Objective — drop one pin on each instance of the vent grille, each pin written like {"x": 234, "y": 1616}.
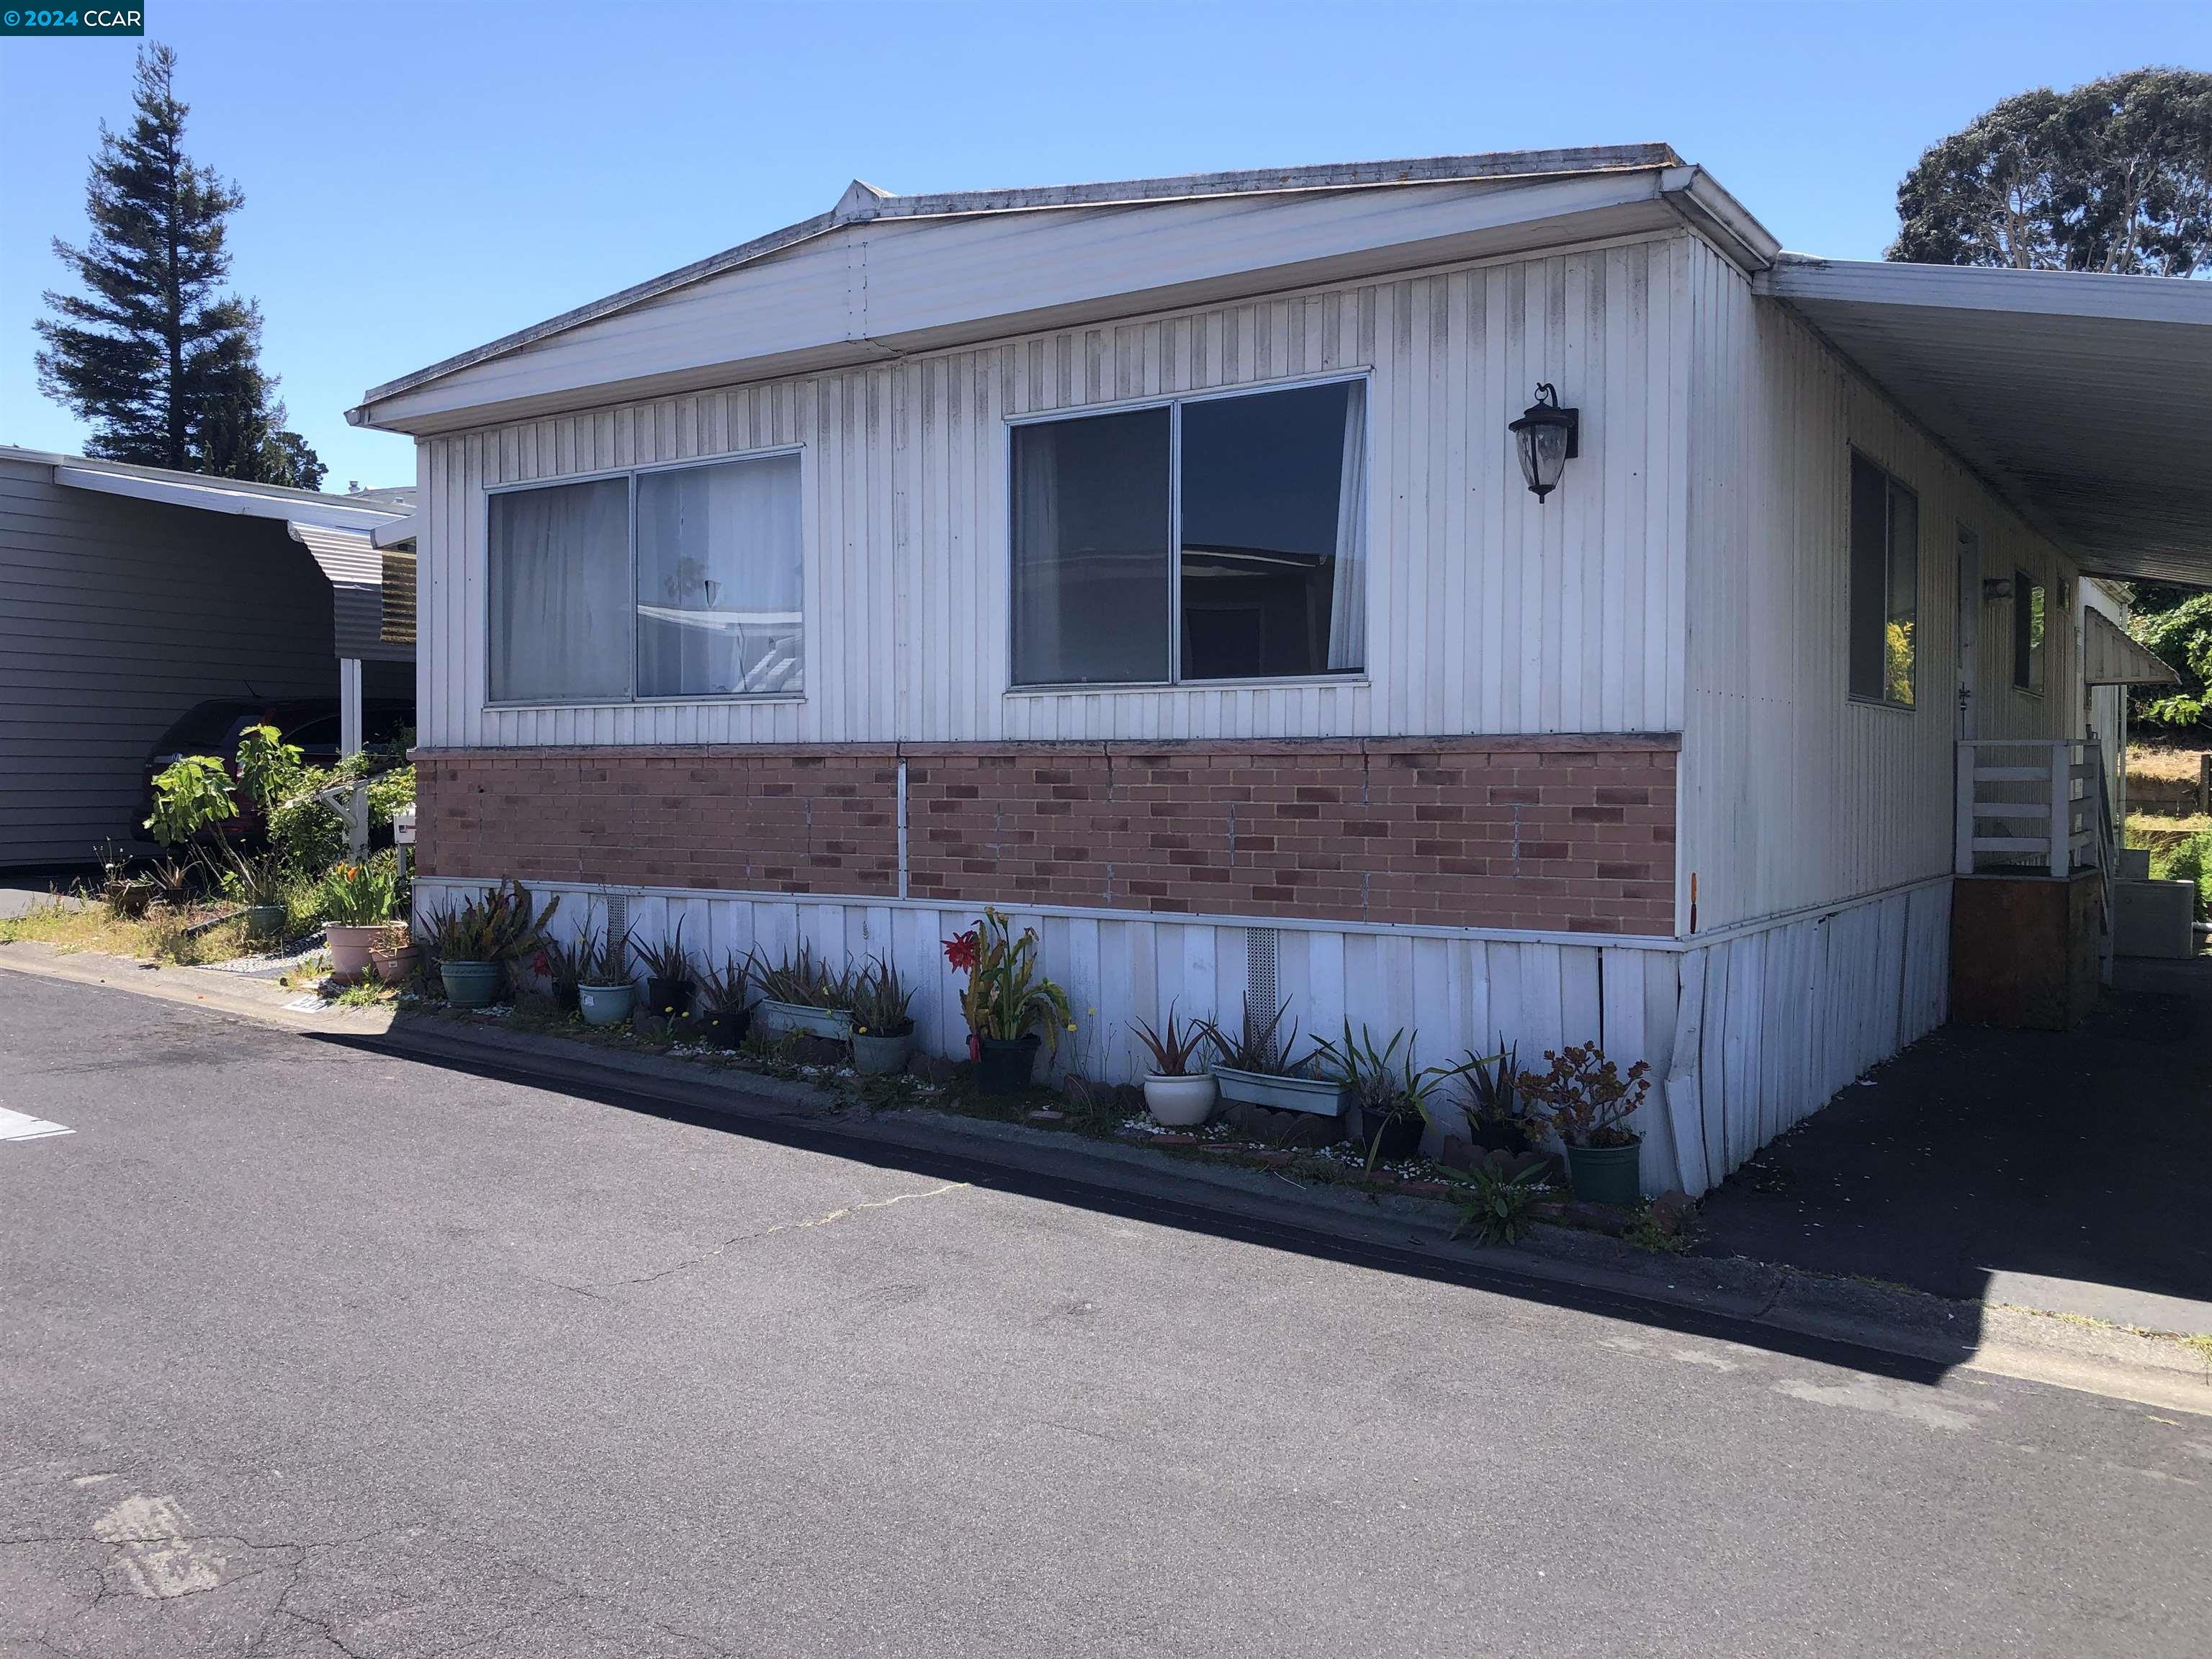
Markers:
{"x": 617, "y": 916}
{"x": 1261, "y": 996}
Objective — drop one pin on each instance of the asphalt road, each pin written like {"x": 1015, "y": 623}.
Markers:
{"x": 306, "y": 1350}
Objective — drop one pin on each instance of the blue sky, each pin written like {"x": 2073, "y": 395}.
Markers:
{"x": 423, "y": 177}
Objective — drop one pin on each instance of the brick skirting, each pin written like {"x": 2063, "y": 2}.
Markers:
{"x": 1567, "y": 833}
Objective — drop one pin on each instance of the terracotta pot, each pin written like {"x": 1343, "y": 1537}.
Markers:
{"x": 351, "y": 947}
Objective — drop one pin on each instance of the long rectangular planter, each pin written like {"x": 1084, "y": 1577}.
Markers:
{"x": 1282, "y": 1094}
{"x": 778, "y": 1017}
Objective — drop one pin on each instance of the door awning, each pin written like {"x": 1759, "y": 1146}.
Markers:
{"x": 2085, "y": 400}
{"x": 2109, "y": 657}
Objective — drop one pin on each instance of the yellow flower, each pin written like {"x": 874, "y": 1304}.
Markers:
{"x": 1071, "y": 1026}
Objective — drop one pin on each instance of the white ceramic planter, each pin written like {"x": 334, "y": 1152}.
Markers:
{"x": 1180, "y": 1103}
{"x": 1281, "y": 1094}
{"x": 776, "y": 1019}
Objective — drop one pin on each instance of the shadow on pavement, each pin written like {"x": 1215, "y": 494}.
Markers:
{"x": 2067, "y": 1171}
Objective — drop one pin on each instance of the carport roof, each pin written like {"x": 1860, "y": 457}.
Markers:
{"x": 2085, "y": 399}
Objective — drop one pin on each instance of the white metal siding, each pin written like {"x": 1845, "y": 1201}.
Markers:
{"x": 1791, "y": 793}
{"x": 1488, "y": 613}
{"x": 116, "y": 617}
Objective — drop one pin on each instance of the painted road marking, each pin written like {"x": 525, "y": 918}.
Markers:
{"x": 19, "y": 1126}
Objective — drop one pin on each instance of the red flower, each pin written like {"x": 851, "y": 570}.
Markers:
{"x": 962, "y": 952}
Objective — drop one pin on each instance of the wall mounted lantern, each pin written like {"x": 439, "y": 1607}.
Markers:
{"x": 1548, "y": 437}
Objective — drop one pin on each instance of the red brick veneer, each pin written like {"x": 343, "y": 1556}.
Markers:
{"x": 1572, "y": 833}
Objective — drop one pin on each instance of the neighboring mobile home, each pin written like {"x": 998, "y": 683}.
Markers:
{"x": 1152, "y": 560}
{"x": 132, "y": 595}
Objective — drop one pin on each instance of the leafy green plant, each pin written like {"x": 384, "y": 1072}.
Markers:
{"x": 1585, "y": 1098}
{"x": 1006, "y": 996}
{"x": 192, "y": 794}
{"x": 2185, "y": 860}
{"x": 1493, "y": 1098}
{"x": 500, "y": 925}
{"x": 725, "y": 995}
{"x": 796, "y": 977}
{"x": 1500, "y": 1208}
{"x": 1175, "y": 1051}
{"x": 603, "y": 959}
{"x": 176, "y": 880}
{"x": 1262, "y": 1046}
{"x": 269, "y": 767}
{"x": 358, "y": 895}
{"x": 881, "y": 1001}
{"x": 1386, "y": 1083}
{"x": 1649, "y": 1234}
{"x": 252, "y": 879}
{"x": 668, "y": 959}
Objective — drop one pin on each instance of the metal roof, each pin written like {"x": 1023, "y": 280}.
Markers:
{"x": 2084, "y": 400}
{"x": 863, "y": 203}
{"x": 363, "y": 510}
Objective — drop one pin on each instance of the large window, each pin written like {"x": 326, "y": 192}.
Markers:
{"x": 1209, "y": 538}
{"x": 677, "y": 582}
{"x": 2029, "y": 605}
{"x": 1885, "y": 590}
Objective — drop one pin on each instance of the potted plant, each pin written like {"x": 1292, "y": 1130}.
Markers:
{"x": 125, "y": 895}
{"x": 1179, "y": 1092}
{"x": 724, "y": 1016}
{"x": 256, "y": 881}
{"x": 1588, "y": 1103}
{"x": 394, "y": 958}
{"x": 670, "y": 979}
{"x": 798, "y": 994}
{"x": 560, "y": 965}
{"x": 1007, "y": 1002}
{"x": 604, "y": 993}
{"x": 883, "y": 1026}
{"x": 1391, "y": 1094}
{"x": 1493, "y": 1102}
{"x": 357, "y": 901}
{"x": 1256, "y": 1068}
{"x": 475, "y": 944}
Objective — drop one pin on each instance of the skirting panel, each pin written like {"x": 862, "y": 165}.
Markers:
{"x": 1771, "y": 1023}
{"x": 1744, "y": 1038}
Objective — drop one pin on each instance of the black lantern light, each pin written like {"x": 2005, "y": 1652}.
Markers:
{"x": 1547, "y": 437}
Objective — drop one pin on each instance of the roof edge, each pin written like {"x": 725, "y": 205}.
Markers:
{"x": 863, "y": 203}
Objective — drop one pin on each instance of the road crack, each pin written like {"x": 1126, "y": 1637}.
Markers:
{"x": 754, "y": 1238}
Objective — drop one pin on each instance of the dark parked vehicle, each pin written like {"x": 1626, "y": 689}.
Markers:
{"x": 213, "y": 728}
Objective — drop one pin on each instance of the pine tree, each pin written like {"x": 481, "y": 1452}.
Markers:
{"x": 156, "y": 355}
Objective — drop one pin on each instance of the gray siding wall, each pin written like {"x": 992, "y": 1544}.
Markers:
{"x": 116, "y": 617}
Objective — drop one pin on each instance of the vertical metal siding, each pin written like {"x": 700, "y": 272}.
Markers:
{"x": 1487, "y": 611}
{"x": 1792, "y": 795}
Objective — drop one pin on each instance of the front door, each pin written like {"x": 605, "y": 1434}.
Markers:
{"x": 1970, "y": 626}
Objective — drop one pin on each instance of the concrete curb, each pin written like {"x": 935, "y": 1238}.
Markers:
{"x": 1390, "y": 1231}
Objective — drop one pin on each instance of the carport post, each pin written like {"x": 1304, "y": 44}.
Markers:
{"x": 350, "y": 743}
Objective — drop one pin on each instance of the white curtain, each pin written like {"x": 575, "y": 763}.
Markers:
{"x": 559, "y": 567}
{"x": 719, "y": 583}
{"x": 1348, "y": 606}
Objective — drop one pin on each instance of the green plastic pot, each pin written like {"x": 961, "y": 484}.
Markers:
{"x": 265, "y": 922}
{"x": 1606, "y": 1175}
{"x": 470, "y": 984}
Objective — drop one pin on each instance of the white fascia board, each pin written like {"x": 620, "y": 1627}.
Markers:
{"x": 2082, "y": 294}
{"x": 211, "y": 498}
{"x": 400, "y": 533}
{"x": 1720, "y": 218}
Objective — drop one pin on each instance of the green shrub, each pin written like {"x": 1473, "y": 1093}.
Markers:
{"x": 191, "y": 794}
{"x": 2185, "y": 860}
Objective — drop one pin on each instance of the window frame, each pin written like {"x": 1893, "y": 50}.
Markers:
{"x": 1173, "y": 403}
{"x": 2025, "y": 664}
{"x": 1888, "y": 550}
{"x": 629, "y": 476}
